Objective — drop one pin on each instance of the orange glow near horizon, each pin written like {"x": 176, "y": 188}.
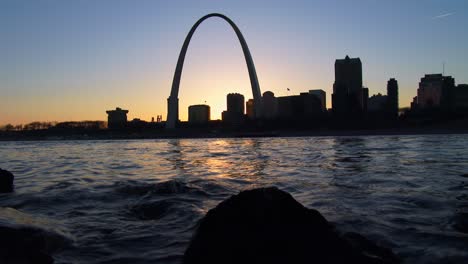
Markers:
{"x": 73, "y": 61}
{"x": 196, "y": 88}
{"x": 214, "y": 66}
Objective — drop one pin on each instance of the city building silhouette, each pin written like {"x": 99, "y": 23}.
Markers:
{"x": 414, "y": 103}
{"x": 235, "y": 112}
{"x": 385, "y": 106}
{"x": 235, "y": 103}
{"x": 199, "y": 114}
{"x": 377, "y": 103}
{"x": 270, "y": 105}
{"x": 137, "y": 123}
{"x": 249, "y": 108}
{"x": 461, "y": 97}
{"x": 116, "y": 118}
{"x": 439, "y": 100}
{"x": 322, "y": 96}
{"x": 305, "y": 106}
{"x": 365, "y": 99}
{"x": 302, "y": 106}
{"x": 348, "y": 95}
{"x": 435, "y": 91}
{"x": 392, "y": 97}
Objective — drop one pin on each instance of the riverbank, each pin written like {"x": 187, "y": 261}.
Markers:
{"x": 193, "y": 133}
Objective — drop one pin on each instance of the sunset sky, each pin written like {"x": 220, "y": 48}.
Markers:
{"x": 73, "y": 60}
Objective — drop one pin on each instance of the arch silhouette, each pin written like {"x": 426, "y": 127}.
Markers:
{"x": 173, "y": 100}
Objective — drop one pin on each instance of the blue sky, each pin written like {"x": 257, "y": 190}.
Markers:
{"x": 72, "y": 60}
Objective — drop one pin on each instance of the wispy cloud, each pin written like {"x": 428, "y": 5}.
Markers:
{"x": 442, "y": 16}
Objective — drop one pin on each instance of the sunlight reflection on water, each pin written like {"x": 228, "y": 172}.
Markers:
{"x": 140, "y": 199}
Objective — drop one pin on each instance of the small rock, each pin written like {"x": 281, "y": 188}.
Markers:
{"x": 29, "y": 240}
{"x": 6, "y": 181}
{"x": 368, "y": 247}
{"x": 151, "y": 210}
{"x": 461, "y": 222}
{"x": 268, "y": 226}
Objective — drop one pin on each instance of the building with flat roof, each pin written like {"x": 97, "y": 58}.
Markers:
{"x": 302, "y": 106}
{"x": 461, "y": 96}
{"x": 235, "y": 113}
{"x": 321, "y": 95}
{"x": 270, "y": 105}
{"x": 116, "y": 118}
{"x": 348, "y": 95}
{"x": 235, "y": 103}
{"x": 198, "y": 114}
{"x": 392, "y": 97}
{"x": 435, "y": 90}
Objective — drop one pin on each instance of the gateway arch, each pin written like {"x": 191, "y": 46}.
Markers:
{"x": 173, "y": 100}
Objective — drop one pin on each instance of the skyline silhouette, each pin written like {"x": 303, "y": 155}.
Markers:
{"x": 300, "y": 108}
{"x": 71, "y": 61}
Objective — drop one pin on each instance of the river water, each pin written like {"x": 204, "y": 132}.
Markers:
{"x": 138, "y": 201}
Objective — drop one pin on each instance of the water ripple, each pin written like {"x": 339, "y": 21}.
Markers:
{"x": 138, "y": 201}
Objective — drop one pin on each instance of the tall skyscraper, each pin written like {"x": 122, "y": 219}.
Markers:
{"x": 392, "y": 97}
{"x": 348, "y": 97}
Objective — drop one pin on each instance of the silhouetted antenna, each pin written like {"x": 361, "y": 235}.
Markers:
{"x": 443, "y": 68}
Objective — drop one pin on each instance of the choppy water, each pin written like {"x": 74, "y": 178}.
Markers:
{"x": 138, "y": 201}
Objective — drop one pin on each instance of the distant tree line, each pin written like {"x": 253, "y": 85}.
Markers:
{"x": 86, "y": 125}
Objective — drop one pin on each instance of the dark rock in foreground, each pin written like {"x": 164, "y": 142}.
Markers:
{"x": 28, "y": 240}
{"x": 268, "y": 226}
{"x": 6, "y": 181}
{"x": 461, "y": 222}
